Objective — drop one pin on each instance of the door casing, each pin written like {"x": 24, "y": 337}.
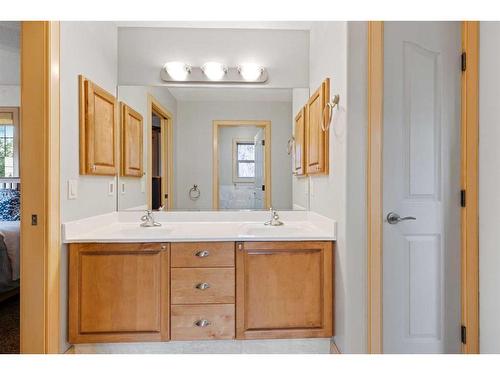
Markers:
{"x": 469, "y": 183}
{"x": 167, "y": 159}
{"x": 40, "y": 188}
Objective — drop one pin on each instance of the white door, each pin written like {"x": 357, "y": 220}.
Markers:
{"x": 259, "y": 170}
{"x": 421, "y": 163}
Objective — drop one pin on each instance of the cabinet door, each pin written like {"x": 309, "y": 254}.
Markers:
{"x": 98, "y": 130}
{"x": 118, "y": 292}
{"x": 299, "y": 144}
{"x": 284, "y": 290}
{"x": 132, "y": 135}
{"x": 317, "y": 139}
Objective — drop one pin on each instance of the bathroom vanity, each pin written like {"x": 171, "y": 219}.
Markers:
{"x": 223, "y": 276}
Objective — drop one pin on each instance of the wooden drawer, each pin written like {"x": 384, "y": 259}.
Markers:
{"x": 220, "y": 319}
{"x": 202, "y": 254}
{"x": 202, "y": 285}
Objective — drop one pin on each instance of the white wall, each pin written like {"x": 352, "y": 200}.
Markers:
{"x": 10, "y": 64}
{"x": 300, "y": 185}
{"x": 193, "y": 154}
{"x": 337, "y": 51}
{"x": 489, "y": 181}
{"x": 137, "y": 98}
{"x": 144, "y": 51}
{"x": 88, "y": 48}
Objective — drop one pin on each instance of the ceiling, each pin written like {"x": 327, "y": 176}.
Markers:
{"x": 269, "y": 25}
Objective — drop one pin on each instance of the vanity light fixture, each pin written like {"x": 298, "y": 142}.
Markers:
{"x": 215, "y": 71}
{"x": 250, "y": 71}
{"x": 178, "y": 70}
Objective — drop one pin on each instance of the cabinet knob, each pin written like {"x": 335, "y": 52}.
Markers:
{"x": 202, "y": 253}
{"x": 202, "y": 286}
{"x": 202, "y": 323}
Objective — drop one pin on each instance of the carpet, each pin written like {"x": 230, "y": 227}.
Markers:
{"x": 9, "y": 325}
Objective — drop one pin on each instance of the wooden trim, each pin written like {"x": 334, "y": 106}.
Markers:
{"x": 470, "y": 183}
{"x": 374, "y": 183}
{"x": 167, "y": 158}
{"x": 39, "y": 154}
{"x": 215, "y": 156}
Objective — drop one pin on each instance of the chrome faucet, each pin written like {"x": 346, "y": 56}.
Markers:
{"x": 148, "y": 220}
{"x": 275, "y": 218}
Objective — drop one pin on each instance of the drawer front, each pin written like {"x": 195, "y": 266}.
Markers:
{"x": 202, "y": 322}
{"x": 202, "y": 285}
{"x": 202, "y": 254}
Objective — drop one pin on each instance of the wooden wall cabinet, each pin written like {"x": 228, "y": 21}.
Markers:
{"x": 118, "y": 292}
{"x": 317, "y": 135}
{"x": 132, "y": 130}
{"x": 284, "y": 290}
{"x": 299, "y": 143}
{"x": 98, "y": 130}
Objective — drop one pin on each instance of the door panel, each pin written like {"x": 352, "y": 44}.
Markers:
{"x": 284, "y": 289}
{"x": 421, "y": 179}
{"x": 118, "y": 292}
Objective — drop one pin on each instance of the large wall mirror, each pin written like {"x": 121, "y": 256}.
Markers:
{"x": 207, "y": 148}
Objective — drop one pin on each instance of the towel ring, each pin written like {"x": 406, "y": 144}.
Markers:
{"x": 194, "y": 192}
{"x": 327, "y": 112}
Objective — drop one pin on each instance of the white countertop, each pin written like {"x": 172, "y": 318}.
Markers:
{"x": 194, "y": 226}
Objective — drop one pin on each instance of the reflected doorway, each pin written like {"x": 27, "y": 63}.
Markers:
{"x": 241, "y": 153}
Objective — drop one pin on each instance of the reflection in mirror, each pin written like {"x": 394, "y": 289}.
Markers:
{"x": 242, "y": 169}
{"x": 212, "y": 148}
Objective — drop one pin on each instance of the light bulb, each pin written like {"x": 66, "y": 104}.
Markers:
{"x": 177, "y": 70}
{"x": 214, "y": 71}
{"x": 250, "y": 71}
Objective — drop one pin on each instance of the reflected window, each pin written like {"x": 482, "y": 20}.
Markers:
{"x": 244, "y": 160}
{"x": 8, "y": 146}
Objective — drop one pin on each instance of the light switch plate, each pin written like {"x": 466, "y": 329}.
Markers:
{"x": 72, "y": 189}
{"x": 122, "y": 190}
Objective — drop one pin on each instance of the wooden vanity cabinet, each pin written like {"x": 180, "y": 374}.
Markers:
{"x": 98, "y": 130}
{"x": 317, "y": 136}
{"x": 139, "y": 292}
{"x": 284, "y": 290}
{"x": 299, "y": 143}
{"x": 118, "y": 292}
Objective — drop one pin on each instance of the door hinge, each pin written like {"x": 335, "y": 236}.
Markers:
{"x": 464, "y": 61}
{"x": 462, "y": 198}
{"x": 166, "y": 196}
{"x": 263, "y": 142}
{"x": 463, "y": 334}
{"x": 263, "y": 187}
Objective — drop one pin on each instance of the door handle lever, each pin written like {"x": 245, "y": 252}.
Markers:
{"x": 394, "y": 218}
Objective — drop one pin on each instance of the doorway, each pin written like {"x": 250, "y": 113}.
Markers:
{"x": 241, "y": 164}
{"x": 418, "y": 105}
{"x": 160, "y": 156}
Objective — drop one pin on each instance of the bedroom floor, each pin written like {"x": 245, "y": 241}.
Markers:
{"x": 9, "y": 325}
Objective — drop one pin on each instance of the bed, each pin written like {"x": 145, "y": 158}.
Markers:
{"x": 9, "y": 241}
